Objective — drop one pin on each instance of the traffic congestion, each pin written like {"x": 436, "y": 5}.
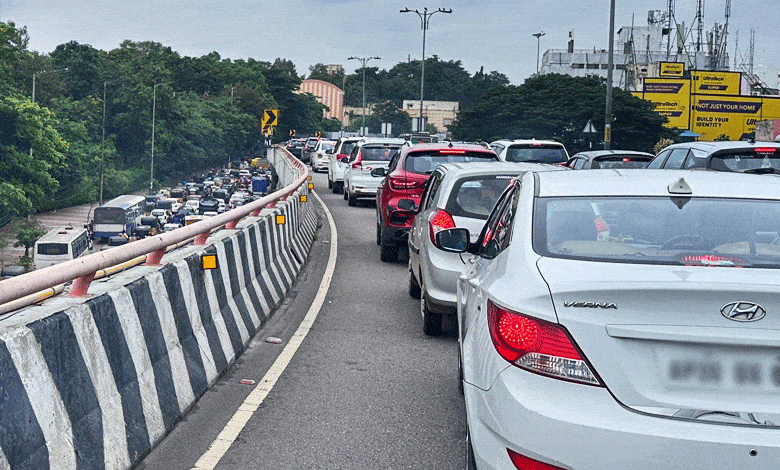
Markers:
{"x": 628, "y": 305}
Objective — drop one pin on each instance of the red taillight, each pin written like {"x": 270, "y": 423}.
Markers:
{"x": 452, "y": 152}
{"x": 341, "y": 155}
{"x": 522, "y": 462}
{"x": 765, "y": 149}
{"x": 626, "y": 159}
{"x": 441, "y": 220}
{"x": 356, "y": 165}
{"x": 712, "y": 260}
{"x": 537, "y": 346}
{"x": 403, "y": 183}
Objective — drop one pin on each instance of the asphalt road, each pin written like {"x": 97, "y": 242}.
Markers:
{"x": 366, "y": 389}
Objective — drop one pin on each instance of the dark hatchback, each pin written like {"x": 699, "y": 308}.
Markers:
{"x": 609, "y": 159}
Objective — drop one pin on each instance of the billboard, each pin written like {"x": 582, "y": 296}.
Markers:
{"x": 671, "y": 98}
{"x": 716, "y": 83}
{"x": 671, "y": 69}
{"x": 734, "y": 116}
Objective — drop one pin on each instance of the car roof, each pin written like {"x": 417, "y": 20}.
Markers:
{"x": 711, "y": 147}
{"x": 381, "y": 140}
{"x": 465, "y": 169}
{"x": 449, "y": 145}
{"x": 603, "y": 153}
{"x": 525, "y": 141}
{"x": 643, "y": 182}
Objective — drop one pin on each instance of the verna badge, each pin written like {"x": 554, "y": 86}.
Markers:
{"x": 577, "y": 304}
{"x": 743, "y": 311}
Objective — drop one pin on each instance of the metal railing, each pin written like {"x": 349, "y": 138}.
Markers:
{"x": 82, "y": 271}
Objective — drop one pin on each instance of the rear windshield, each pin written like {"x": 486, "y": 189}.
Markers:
{"x": 536, "y": 153}
{"x": 475, "y": 197}
{"x": 753, "y": 160}
{"x": 423, "y": 163}
{"x": 346, "y": 149}
{"x": 53, "y": 249}
{"x": 683, "y": 231}
{"x": 621, "y": 161}
{"x": 378, "y": 153}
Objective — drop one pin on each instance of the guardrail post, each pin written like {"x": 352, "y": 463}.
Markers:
{"x": 153, "y": 258}
{"x": 232, "y": 224}
{"x": 201, "y": 239}
{"x": 80, "y": 285}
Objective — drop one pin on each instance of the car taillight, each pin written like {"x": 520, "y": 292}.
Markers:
{"x": 439, "y": 221}
{"x": 403, "y": 183}
{"x": 712, "y": 260}
{"x": 537, "y": 346}
{"x": 765, "y": 149}
{"x": 522, "y": 462}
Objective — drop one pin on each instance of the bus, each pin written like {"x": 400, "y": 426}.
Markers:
{"x": 61, "y": 244}
{"x": 117, "y": 215}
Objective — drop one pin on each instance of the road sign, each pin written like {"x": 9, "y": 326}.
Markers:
{"x": 292, "y": 132}
{"x": 268, "y": 130}
{"x": 589, "y": 128}
{"x": 270, "y": 117}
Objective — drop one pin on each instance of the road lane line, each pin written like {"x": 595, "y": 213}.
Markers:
{"x": 230, "y": 432}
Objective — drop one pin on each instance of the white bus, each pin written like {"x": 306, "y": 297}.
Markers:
{"x": 61, "y": 244}
{"x": 118, "y": 215}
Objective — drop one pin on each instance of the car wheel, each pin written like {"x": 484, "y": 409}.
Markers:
{"x": 330, "y": 184}
{"x": 352, "y": 199}
{"x": 388, "y": 249}
{"x": 471, "y": 462}
{"x": 344, "y": 192}
{"x": 431, "y": 320}
{"x": 460, "y": 372}
{"x": 378, "y": 233}
{"x": 414, "y": 286}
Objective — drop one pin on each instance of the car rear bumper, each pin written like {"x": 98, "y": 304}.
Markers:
{"x": 364, "y": 187}
{"x": 582, "y": 427}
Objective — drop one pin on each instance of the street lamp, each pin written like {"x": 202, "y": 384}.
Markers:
{"x": 364, "y": 61}
{"x": 154, "y": 110}
{"x": 35, "y": 75}
{"x": 538, "y": 36}
{"x": 610, "y": 65}
{"x": 424, "y": 18}
{"x": 103, "y": 138}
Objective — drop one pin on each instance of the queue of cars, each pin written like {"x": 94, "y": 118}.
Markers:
{"x": 599, "y": 311}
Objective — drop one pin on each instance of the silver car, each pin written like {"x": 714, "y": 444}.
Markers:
{"x": 337, "y": 165}
{"x": 616, "y": 319}
{"x": 368, "y": 154}
{"x": 456, "y": 195}
{"x": 321, "y": 154}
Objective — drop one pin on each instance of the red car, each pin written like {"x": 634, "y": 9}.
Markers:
{"x": 405, "y": 178}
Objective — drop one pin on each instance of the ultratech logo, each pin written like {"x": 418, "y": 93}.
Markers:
{"x": 709, "y": 78}
{"x": 577, "y": 304}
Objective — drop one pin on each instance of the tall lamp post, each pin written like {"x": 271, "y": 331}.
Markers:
{"x": 610, "y": 65}
{"x": 424, "y": 19}
{"x": 154, "y": 110}
{"x": 538, "y": 37}
{"x": 363, "y": 61}
{"x": 35, "y": 76}
{"x": 103, "y": 138}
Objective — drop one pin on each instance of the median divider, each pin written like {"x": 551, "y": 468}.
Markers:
{"x": 95, "y": 382}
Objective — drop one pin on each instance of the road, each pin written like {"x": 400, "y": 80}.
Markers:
{"x": 366, "y": 388}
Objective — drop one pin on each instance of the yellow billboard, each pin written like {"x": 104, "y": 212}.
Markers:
{"x": 734, "y": 116}
{"x": 671, "y": 69}
{"x": 671, "y": 98}
{"x": 716, "y": 83}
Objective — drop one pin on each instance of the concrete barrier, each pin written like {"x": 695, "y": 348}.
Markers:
{"x": 94, "y": 383}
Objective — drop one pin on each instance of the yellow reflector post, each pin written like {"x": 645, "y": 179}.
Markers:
{"x": 311, "y": 185}
{"x": 303, "y": 198}
{"x": 208, "y": 261}
{"x": 280, "y": 219}
{"x": 309, "y": 178}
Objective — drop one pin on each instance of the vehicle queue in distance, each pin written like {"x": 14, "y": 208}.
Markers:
{"x": 598, "y": 312}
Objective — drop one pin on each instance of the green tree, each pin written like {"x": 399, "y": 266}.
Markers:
{"x": 27, "y": 234}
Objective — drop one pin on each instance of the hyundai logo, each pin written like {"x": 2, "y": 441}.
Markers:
{"x": 743, "y": 311}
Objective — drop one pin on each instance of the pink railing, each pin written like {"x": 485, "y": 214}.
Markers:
{"x": 82, "y": 270}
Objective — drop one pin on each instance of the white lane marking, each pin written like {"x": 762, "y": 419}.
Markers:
{"x": 224, "y": 440}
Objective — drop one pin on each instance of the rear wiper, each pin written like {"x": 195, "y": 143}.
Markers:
{"x": 761, "y": 171}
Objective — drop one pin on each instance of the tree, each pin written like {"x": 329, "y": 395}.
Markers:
{"x": 27, "y": 234}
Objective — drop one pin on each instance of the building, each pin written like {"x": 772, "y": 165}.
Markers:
{"x": 440, "y": 114}
{"x": 328, "y": 94}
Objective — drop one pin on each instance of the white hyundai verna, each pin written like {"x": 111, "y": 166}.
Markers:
{"x": 623, "y": 319}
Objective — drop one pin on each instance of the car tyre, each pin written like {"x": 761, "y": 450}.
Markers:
{"x": 352, "y": 199}
{"x": 388, "y": 250}
{"x": 378, "y": 233}
{"x": 344, "y": 192}
{"x": 431, "y": 320}
{"x": 471, "y": 462}
{"x": 414, "y": 286}
{"x": 330, "y": 184}
{"x": 460, "y": 372}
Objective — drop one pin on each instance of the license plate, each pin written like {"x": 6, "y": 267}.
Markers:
{"x": 739, "y": 372}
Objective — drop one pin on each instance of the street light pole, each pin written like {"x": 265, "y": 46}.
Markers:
{"x": 35, "y": 75}
{"x": 538, "y": 36}
{"x": 154, "y": 109}
{"x": 610, "y": 65}
{"x": 103, "y": 138}
{"x": 424, "y": 19}
{"x": 363, "y": 61}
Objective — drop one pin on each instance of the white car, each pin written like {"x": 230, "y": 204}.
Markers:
{"x": 623, "y": 319}
{"x": 368, "y": 154}
{"x": 337, "y": 165}
{"x": 456, "y": 195}
{"x": 530, "y": 151}
{"x": 161, "y": 214}
{"x": 193, "y": 204}
{"x": 320, "y": 156}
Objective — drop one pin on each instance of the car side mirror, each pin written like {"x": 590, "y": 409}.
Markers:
{"x": 344, "y": 160}
{"x": 406, "y": 204}
{"x": 454, "y": 240}
{"x": 377, "y": 172}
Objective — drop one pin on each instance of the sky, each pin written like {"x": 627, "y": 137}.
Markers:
{"x": 496, "y": 35}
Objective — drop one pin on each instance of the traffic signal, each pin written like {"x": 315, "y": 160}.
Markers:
{"x": 292, "y": 132}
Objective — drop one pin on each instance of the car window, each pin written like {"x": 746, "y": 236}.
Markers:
{"x": 378, "y": 153}
{"x": 536, "y": 153}
{"x": 496, "y": 234}
{"x": 394, "y": 161}
{"x": 579, "y": 163}
{"x": 497, "y": 148}
{"x": 676, "y": 158}
{"x": 424, "y": 162}
{"x": 475, "y": 196}
{"x": 658, "y": 161}
{"x": 431, "y": 189}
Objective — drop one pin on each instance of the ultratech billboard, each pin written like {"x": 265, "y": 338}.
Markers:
{"x": 716, "y": 83}
{"x": 671, "y": 69}
{"x": 671, "y": 98}
{"x": 735, "y": 116}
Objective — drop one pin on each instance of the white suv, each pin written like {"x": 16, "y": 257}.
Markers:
{"x": 336, "y": 167}
{"x": 365, "y": 156}
{"x": 530, "y": 151}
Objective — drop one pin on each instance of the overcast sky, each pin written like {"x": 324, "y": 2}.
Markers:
{"x": 495, "y": 35}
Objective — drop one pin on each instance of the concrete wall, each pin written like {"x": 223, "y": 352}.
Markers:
{"x": 95, "y": 383}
